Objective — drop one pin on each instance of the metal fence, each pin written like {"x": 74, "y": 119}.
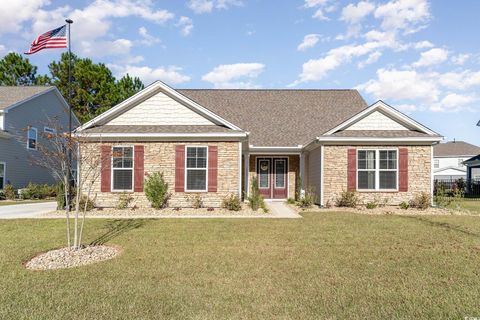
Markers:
{"x": 452, "y": 187}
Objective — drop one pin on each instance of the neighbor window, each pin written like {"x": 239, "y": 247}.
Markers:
{"x": 122, "y": 168}
{"x": 2, "y": 175}
{"x": 32, "y": 138}
{"x": 49, "y": 130}
{"x": 436, "y": 164}
{"x": 377, "y": 170}
{"x": 196, "y": 169}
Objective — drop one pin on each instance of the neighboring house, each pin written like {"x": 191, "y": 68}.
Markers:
{"x": 213, "y": 142}
{"x": 473, "y": 168}
{"x": 448, "y": 159}
{"x": 25, "y": 114}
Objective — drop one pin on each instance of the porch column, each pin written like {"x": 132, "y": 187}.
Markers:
{"x": 247, "y": 173}
{"x": 302, "y": 170}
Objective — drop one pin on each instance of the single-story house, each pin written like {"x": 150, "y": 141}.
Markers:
{"x": 213, "y": 142}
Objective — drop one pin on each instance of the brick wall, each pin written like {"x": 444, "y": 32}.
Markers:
{"x": 335, "y": 174}
{"x": 160, "y": 157}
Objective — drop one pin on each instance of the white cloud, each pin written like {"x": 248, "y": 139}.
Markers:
{"x": 453, "y": 102}
{"x": 237, "y": 75}
{"x": 106, "y": 48}
{"x": 315, "y": 3}
{"x": 406, "y": 15}
{"x": 169, "y": 75}
{"x": 461, "y": 58}
{"x": 185, "y": 24}
{"x": 309, "y": 41}
{"x": 14, "y": 13}
{"x": 431, "y": 57}
{"x": 207, "y": 6}
{"x": 320, "y": 15}
{"x": 322, "y": 6}
{"x": 355, "y": 13}
{"x": 423, "y": 44}
{"x": 372, "y": 58}
{"x": 406, "y": 107}
{"x": 148, "y": 39}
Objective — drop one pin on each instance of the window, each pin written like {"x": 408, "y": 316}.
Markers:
{"x": 32, "y": 138}
{"x": 377, "y": 170}
{"x": 196, "y": 169}
{"x": 280, "y": 169}
{"x": 122, "y": 168}
{"x": 264, "y": 174}
{"x": 436, "y": 164}
{"x": 49, "y": 130}
{"x": 2, "y": 175}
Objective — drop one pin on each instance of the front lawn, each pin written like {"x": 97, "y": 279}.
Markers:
{"x": 12, "y": 202}
{"x": 327, "y": 265}
{"x": 472, "y": 205}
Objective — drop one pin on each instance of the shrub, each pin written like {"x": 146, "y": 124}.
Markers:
{"x": 298, "y": 187}
{"x": 83, "y": 200}
{"x": 348, "y": 199}
{"x": 404, "y": 205}
{"x": 372, "y": 205}
{"x": 308, "y": 199}
{"x": 124, "y": 200}
{"x": 9, "y": 192}
{"x": 156, "y": 190}
{"x": 420, "y": 201}
{"x": 38, "y": 191}
{"x": 232, "y": 202}
{"x": 196, "y": 200}
{"x": 255, "y": 199}
{"x": 291, "y": 201}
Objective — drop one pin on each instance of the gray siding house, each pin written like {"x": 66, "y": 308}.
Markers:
{"x": 25, "y": 114}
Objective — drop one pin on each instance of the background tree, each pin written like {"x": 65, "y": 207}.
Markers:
{"x": 128, "y": 86}
{"x": 15, "y": 70}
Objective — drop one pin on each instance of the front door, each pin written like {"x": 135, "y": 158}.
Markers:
{"x": 272, "y": 177}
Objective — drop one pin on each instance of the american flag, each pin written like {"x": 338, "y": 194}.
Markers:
{"x": 53, "y": 39}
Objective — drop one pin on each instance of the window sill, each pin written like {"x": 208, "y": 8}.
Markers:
{"x": 196, "y": 191}
{"x": 121, "y": 191}
{"x": 378, "y": 191}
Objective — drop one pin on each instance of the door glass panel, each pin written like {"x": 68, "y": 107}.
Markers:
{"x": 280, "y": 173}
{"x": 263, "y": 174}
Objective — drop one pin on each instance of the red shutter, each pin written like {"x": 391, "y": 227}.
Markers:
{"x": 403, "y": 170}
{"x": 179, "y": 168}
{"x": 352, "y": 169}
{"x": 138, "y": 162}
{"x": 212, "y": 168}
{"x": 106, "y": 170}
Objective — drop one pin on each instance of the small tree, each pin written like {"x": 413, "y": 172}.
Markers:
{"x": 156, "y": 190}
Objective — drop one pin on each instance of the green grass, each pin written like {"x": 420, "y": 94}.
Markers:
{"x": 472, "y": 205}
{"x": 13, "y": 202}
{"x": 325, "y": 266}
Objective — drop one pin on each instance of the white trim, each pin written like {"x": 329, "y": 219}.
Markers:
{"x": 2, "y": 121}
{"x": 286, "y": 157}
{"x": 322, "y": 159}
{"x": 186, "y": 169}
{"x": 28, "y": 138}
{"x": 239, "y": 170}
{"x": 390, "y": 111}
{"x": 370, "y": 139}
{"x": 151, "y": 89}
{"x": 432, "y": 177}
{"x": 4, "y": 174}
{"x": 161, "y": 135}
{"x": 113, "y": 169}
{"x": 377, "y": 170}
{"x": 282, "y": 150}
{"x": 247, "y": 174}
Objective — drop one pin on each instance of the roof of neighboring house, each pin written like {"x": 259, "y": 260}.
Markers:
{"x": 10, "y": 95}
{"x": 300, "y": 115}
{"x": 455, "y": 148}
{"x": 472, "y": 161}
{"x": 380, "y": 133}
{"x": 157, "y": 129}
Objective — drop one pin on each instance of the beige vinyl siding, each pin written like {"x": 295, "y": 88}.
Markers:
{"x": 314, "y": 171}
{"x": 376, "y": 121}
{"x": 160, "y": 109}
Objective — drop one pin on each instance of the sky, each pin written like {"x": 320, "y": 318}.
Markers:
{"x": 421, "y": 57}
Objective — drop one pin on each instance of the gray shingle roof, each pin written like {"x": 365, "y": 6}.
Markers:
{"x": 157, "y": 129}
{"x": 280, "y": 117}
{"x": 10, "y": 95}
{"x": 455, "y": 148}
{"x": 380, "y": 133}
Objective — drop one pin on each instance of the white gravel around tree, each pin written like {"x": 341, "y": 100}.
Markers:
{"x": 68, "y": 258}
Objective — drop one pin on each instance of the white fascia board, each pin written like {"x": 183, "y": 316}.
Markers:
{"x": 161, "y": 135}
{"x": 390, "y": 111}
{"x": 267, "y": 149}
{"x": 450, "y": 168}
{"x": 149, "y": 90}
{"x": 363, "y": 139}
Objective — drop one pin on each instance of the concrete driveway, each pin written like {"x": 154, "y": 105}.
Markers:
{"x": 28, "y": 210}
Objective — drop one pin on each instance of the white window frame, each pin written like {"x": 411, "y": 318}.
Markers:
{"x": 113, "y": 169}
{"x": 49, "y": 130}
{"x": 4, "y": 174}
{"x": 186, "y": 169}
{"x": 284, "y": 160}
{"x": 28, "y": 138}
{"x": 436, "y": 163}
{"x": 377, "y": 170}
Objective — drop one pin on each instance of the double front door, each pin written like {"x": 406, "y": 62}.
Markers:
{"x": 272, "y": 173}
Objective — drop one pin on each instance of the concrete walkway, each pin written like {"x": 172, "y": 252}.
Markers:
{"x": 281, "y": 210}
{"x": 28, "y": 210}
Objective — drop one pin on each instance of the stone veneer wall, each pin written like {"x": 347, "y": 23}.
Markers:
{"x": 160, "y": 157}
{"x": 335, "y": 174}
{"x": 293, "y": 168}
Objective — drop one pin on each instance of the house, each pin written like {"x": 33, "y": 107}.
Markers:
{"x": 448, "y": 159}
{"x": 26, "y": 113}
{"x": 473, "y": 168}
{"x": 212, "y": 142}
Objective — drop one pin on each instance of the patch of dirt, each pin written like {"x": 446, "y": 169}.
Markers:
{"x": 69, "y": 258}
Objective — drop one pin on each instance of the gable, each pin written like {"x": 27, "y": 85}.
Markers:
{"x": 376, "y": 121}
{"x": 160, "y": 109}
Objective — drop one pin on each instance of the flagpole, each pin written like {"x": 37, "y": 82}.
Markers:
{"x": 69, "y": 22}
